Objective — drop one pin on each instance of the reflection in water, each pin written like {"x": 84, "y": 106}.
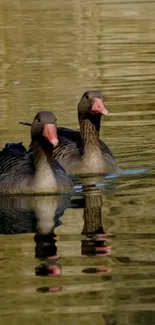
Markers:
{"x": 45, "y": 239}
{"x": 95, "y": 241}
{"x": 42, "y": 216}
{"x": 46, "y": 250}
{"x": 50, "y": 53}
{"x": 89, "y": 277}
{"x": 29, "y": 214}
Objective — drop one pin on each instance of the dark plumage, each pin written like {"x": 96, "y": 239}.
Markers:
{"x": 24, "y": 173}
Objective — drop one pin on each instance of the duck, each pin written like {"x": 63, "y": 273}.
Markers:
{"x": 83, "y": 152}
{"x": 38, "y": 172}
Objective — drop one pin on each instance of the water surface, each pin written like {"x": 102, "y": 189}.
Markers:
{"x": 90, "y": 258}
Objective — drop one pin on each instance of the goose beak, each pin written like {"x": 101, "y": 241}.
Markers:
{"x": 98, "y": 107}
{"x": 50, "y": 132}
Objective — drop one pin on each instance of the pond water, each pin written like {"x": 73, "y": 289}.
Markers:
{"x": 89, "y": 258}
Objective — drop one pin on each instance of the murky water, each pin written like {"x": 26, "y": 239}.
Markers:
{"x": 89, "y": 258}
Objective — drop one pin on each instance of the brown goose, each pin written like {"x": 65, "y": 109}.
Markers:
{"x": 23, "y": 173}
{"x": 82, "y": 152}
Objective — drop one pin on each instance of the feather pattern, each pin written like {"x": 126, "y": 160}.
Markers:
{"x": 23, "y": 172}
{"x": 82, "y": 152}
{"x": 71, "y": 152}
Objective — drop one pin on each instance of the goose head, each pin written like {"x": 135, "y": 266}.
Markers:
{"x": 92, "y": 103}
{"x": 44, "y": 125}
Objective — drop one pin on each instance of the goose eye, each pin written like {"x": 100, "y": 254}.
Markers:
{"x": 39, "y": 120}
{"x": 87, "y": 97}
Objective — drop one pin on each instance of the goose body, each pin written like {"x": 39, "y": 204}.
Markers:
{"x": 37, "y": 173}
{"x": 82, "y": 152}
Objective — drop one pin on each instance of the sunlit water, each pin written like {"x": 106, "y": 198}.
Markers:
{"x": 89, "y": 258}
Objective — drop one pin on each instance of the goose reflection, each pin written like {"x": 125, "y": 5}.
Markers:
{"x": 48, "y": 212}
{"x": 39, "y": 215}
{"x": 27, "y": 214}
{"x": 95, "y": 236}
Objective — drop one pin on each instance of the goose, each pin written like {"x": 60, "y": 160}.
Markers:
{"x": 37, "y": 173}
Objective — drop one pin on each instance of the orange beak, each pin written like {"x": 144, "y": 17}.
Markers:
{"x": 98, "y": 107}
{"x": 50, "y": 132}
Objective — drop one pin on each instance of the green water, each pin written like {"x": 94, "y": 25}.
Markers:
{"x": 101, "y": 241}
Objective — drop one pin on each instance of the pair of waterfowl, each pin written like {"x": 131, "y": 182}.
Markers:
{"x": 56, "y": 152}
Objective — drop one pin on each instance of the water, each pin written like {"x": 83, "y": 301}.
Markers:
{"x": 89, "y": 258}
